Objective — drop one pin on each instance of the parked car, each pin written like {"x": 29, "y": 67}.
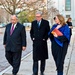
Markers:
{"x": 27, "y": 24}
{"x": 2, "y": 24}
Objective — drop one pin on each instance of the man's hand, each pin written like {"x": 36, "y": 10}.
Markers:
{"x": 23, "y": 48}
{"x": 4, "y": 46}
{"x": 33, "y": 39}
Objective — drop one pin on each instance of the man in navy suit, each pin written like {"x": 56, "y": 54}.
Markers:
{"x": 14, "y": 42}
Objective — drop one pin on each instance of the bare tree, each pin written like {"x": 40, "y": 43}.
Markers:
{"x": 4, "y": 16}
{"x": 12, "y": 5}
{"x": 52, "y": 11}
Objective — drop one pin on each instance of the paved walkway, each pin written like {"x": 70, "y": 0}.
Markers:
{"x": 69, "y": 66}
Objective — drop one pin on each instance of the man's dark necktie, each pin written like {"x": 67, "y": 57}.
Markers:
{"x": 38, "y": 24}
{"x": 12, "y": 29}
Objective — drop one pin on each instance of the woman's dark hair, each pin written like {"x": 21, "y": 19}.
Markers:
{"x": 69, "y": 19}
{"x": 54, "y": 18}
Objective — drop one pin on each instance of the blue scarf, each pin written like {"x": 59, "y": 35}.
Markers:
{"x": 66, "y": 32}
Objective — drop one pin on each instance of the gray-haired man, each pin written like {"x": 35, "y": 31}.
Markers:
{"x": 14, "y": 42}
{"x": 39, "y": 35}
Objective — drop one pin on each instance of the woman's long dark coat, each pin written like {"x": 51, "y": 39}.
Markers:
{"x": 39, "y": 35}
{"x": 59, "y": 52}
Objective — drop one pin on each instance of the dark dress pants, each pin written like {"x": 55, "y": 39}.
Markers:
{"x": 14, "y": 58}
{"x": 59, "y": 54}
{"x": 35, "y": 67}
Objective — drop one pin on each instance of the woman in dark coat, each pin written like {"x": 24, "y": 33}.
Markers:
{"x": 59, "y": 43}
{"x": 70, "y": 26}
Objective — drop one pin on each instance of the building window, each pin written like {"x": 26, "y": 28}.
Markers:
{"x": 67, "y": 16}
{"x": 68, "y": 5}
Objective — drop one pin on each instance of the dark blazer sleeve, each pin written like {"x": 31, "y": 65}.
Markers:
{"x": 31, "y": 31}
{"x": 47, "y": 30}
{"x": 23, "y": 36}
{"x": 62, "y": 38}
{"x": 5, "y": 37}
{"x": 51, "y": 36}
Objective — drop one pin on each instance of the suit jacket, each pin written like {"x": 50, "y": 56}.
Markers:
{"x": 15, "y": 41}
{"x": 40, "y": 35}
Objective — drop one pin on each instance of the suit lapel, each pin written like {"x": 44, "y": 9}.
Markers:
{"x": 9, "y": 28}
{"x": 41, "y": 24}
{"x": 15, "y": 28}
{"x": 36, "y": 24}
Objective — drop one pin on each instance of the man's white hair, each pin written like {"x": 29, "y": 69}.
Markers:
{"x": 39, "y": 12}
{"x": 14, "y": 16}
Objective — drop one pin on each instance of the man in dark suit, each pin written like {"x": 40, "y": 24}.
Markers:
{"x": 39, "y": 35}
{"x": 14, "y": 42}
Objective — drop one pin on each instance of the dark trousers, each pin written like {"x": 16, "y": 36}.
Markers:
{"x": 59, "y": 54}
{"x": 14, "y": 58}
{"x": 35, "y": 66}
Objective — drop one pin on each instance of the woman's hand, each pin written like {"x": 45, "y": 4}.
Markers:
{"x": 23, "y": 48}
{"x": 55, "y": 35}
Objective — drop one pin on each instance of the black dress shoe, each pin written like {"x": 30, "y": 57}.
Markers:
{"x": 14, "y": 74}
{"x": 41, "y": 73}
{"x": 34, "y": 74}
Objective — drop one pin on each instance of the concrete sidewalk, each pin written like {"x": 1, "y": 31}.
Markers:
{"x": 69, "y": 66}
